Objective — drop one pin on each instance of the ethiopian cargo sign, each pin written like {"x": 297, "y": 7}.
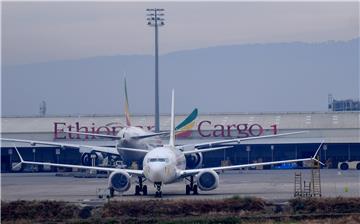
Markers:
{"x": 204, "y": 128}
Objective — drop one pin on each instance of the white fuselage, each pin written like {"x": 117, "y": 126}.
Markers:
{"x": 162, "y": 164}
{"x": 127, "y": 141}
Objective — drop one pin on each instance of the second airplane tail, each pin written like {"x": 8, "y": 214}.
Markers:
{"x": 127, "y": 114}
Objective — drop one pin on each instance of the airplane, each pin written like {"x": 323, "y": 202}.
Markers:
{"x": 136, "y": 137}
{"x": 167, "y": 164}
{"x": 128, "y": 137}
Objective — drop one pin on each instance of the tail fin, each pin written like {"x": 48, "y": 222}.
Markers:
{"x": 184, "y": 129}
{"x": 127, "y": 114}
{"x": 172, "y": 130}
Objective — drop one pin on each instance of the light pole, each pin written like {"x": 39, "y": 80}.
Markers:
{"x": 155, "y": 19}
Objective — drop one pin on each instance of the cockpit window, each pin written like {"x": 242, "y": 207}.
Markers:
{"x": 158, "y": 160}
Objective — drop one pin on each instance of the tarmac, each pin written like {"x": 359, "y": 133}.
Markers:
{"x": 274, "y": 185}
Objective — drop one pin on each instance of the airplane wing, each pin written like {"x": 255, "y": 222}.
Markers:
{"x": 190, "y": 172}
{"x": 235, "y": 140}
{"x": 134, "y": 150}
{"x": 130, "y": 171}
{"x": 111, "y": 150}
{"x": 206, "y": 150}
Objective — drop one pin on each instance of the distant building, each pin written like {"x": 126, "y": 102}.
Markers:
{"x": 339, "y": 131}
{"x": 343, "y": 105}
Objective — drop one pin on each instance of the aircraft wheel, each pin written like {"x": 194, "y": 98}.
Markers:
{"x": 137, "y": 190}
{"x": 195, "y": 189}
{"x": 158, "y": 194}
{"x": 144, "y": 190}
{"x": 112, "y": 191}
{"x": 188, "y": 189}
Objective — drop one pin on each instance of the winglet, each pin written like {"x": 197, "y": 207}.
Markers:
{"x": 21, "y": 159}
{"x": 316, "y": 153}
{"x": 318, "y": 149}
{"x": 172, "y": 127}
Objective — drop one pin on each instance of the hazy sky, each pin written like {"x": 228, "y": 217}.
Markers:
{"x": 299, "y": 76}
{"x": 47, "y": 31}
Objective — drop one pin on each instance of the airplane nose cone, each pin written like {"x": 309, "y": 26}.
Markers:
{"x": 157, "y": 172}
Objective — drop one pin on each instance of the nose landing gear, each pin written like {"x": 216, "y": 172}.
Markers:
{"x": 158, "y": 193}
{"x": 140, "y": 187}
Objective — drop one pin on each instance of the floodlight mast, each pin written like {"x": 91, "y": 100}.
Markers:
{"x": 155, "y": 19}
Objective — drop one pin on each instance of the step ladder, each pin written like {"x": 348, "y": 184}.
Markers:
{"x": 298, "y": 189}
{"x": 307, "y": 189}
{"x": 311, "y": 188}
{"x": 315, "y": 180}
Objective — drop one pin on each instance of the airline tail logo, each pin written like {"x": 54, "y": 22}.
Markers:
{"x": 127, "y": 114}
{"x": 184, "y": 128}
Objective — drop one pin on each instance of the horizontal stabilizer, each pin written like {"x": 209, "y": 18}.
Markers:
{"x": 93, "y": 134}
{"x": 133, "y": 150}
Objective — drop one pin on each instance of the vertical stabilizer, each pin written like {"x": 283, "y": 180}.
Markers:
{"x": 172, "y": 127}
{"x": 127, "y": 114}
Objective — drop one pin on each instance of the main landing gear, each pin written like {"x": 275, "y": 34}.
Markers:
{"x": 158, "y": 193}
{"x": 191, "y": 187}
{"x": 112, "y": 192}
{"x": 140, "y": 187}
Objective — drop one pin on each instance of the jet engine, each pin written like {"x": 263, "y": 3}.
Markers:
{"x": 194, "y": 161}
{"x": 119, "y": 181}
{"x": 87, "y": 156}
{"x": 207, "y": 180}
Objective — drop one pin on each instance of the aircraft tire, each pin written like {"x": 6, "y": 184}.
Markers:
{"x": 137, "y": 190}
{"x": 112, "y": 191}
{"x": 158, "y": 194}
{"x": 144, "y": 190}
{"x": 195, "y": 190}
{"x": 188, "y": 189}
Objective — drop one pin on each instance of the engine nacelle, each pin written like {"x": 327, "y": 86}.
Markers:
{"x": 120, "y": 181}
{"x": 86, "y": 158}
{"x": 194, "y": 161}
{"x": 207, "y": 180}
